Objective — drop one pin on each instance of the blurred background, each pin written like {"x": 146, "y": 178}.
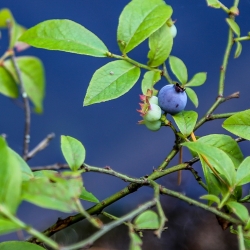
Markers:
{"x": 110, "y": 132}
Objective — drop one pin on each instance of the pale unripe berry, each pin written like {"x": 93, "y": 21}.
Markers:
{"x": 173, "y": 30}
{"x": 153, "y": 114}
{"x": 153, "y": 100}
{"x": 153, "y": 126}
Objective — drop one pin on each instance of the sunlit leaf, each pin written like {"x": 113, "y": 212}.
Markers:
{"x": 197, "y": 80}
{"x": 73, "y": 151}
{"x": 160, "y": 44}
{"x": 64, "y": 35}
{"x": 87, "y": 196}
{"x": 149, "y": 80}
{"x": 213, "y": 3}
{"x": 111, "y": 81}
{"x": 239, "y": 124}
{"x": 179, "y": 69}
{"x": 138, "y": 20}
{"x": 192, "y": 96}
{"x": 243, "y": 172}
{"x": 19, "y": 245}
{"x": 186, "y": 121}
{"x": 211, "y": 197}
{"x": 239, "y": 209}
{"x": 147, "y": 220}
{"x": 234, "y": 26}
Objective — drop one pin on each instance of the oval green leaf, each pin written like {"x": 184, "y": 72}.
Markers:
{"x": 243, "y": 172}
{"x": 239, "y": 124}
{"x": 147, "y": 220}
{"x": 197, "y": 80}
{"x": 186, "y": 121}
{"x": 19, "y": 245}
{"x": 149, "y": 80}
{"x": 73, "y": 152}
{"x": 64, "y": 35}
{"x": 234, "y": 26}
{"x": 227, "y": 144}
{"x": 135, "y": 241}
{"x": 32, "y": 74}
{"x": 211, "y": 197}
{"x": 160, "y": 44}
{"x": 239, "y": 210}
{"x": 8, "y": 85}
{"x": 238, "y": 50}
{"x": 217, "y": 158}
{"x": 7, "y": 226}
{"x": 179, "y": 69}
{"x": 10, "y": 178}
{"x": 213, "y": 3}
{"x": 138, "y": 20}
{"x": 111, "y": 81}
{"x": 192, "y": 96}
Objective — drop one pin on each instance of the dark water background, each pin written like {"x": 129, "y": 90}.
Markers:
{"x": 109, "y": 131}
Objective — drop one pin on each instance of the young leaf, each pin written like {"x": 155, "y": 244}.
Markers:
{"x": 43, "y": 173}
{"x": 111, "y": 81}
{"x": 239, "y": 209}
{"x": 135, "y": 241}
{"x": 5, "y": 16}
{"x": 227, "y": 144}
{"x": 211, "y": 197}
{"x": 73, "y": 152}
{"x": 243, "y": 172}
{"x": 186, "y": 121}
{"x": 147, "y": 220}
{"x": 56, "y": 192}
{"x": 239, "y": 124}
{"x": 179, "y": 69}
{"x": 8, "y": 85}
{"x": 64, "y": 35}
{"x": 213, "y": 3}
{"x": 238, "y": 50}
{"x": 87, "y": 196}
{"x": 219, "y": 160}
{"x": 20, "y": 46}
{"x": 160, "y": 44}
{"x": 197, "y": 80}
{"x": 138, "y": 20}
{"x": 10, "y": 178}
{"x": 192, "y": 96}
{"x": 32, "y": 74}
{"x": 234, "y": 26}
{"x": 19, "y": 245}
{"x": 7, "y": 226}
{"x": 149, "y": 80}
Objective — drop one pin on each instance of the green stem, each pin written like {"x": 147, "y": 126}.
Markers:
{"x": 199, "y": 204}
{"x": 225, "y": 199}
{"x": 137, "y": 64}
{"x": 243, "y": 38}
{"x": 29, "y": 229}
{"x": 220, "y": 116}
{"x": 240, "y": 238}
{"x": 223, "y": 7}
{"x": 166, "y": 75}
{"x": 106, "y": 228}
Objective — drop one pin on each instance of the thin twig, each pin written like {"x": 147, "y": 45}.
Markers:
{"x": 42, "y": 145}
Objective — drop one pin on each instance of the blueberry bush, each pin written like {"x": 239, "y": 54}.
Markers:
{"x": 61, "y": 187}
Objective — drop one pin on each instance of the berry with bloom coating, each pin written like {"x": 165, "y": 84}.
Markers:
{"x": 172, "y": 98}
{"x": 173, "y": 31}
{"x": 153, "y": 114}
{"x": 153, "y": 126}
{"x": 153, "y": 100}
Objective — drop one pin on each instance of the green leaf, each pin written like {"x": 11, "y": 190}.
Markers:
{"x": 64, "y": 35}
{"x": 7, "y": 226}
{"x": 149, "y": 80}
{"x": 186, "y": 121}
{"x": 43, "y": 173}
{"x": 25, "y": 169}
{"x": 192, "y": 96}
{"x": 20, "y": 46}
{"x": 179, "y": 69}
{"x": 147, "y": 220}
{"x": 111, "y": 81}
{"x": 57, "y": 191}
{"x": 197, "y": 80}
{"x": 87, "y": 196}
{"x": 73, "y": 152}
{"x": 160, "y": 44}
{"x": 213, "y": 3}
{"x": 19, "y": 245}
{"x": 138, "y": 20}
{"x": 243, "y": 172}
{"x": 239, "y": 209}
{"x": 227, "y": 144}
{"x": 211, "y": 197}
{"x": 234, "y": 26}
{"x": 10, "y": 178}
{"x": 216, "y": 157}
{"x": 238, "y": 50}
{"x": 32, "y": 74}
{"x": 5, "y": 16}
{"x": 135, "y": 241}
{"x": 239, "y": 124}
{"x": 8, "y": 85}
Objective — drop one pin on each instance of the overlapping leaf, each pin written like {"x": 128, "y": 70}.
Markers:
{"x": 19, "y": 245}
{"x": 179, "y": 69}
{"x": 192, "y": 96}
{"x": 149, "y": 80}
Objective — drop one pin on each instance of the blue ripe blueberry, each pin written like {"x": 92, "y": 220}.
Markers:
{"x": 172, "y": 98}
